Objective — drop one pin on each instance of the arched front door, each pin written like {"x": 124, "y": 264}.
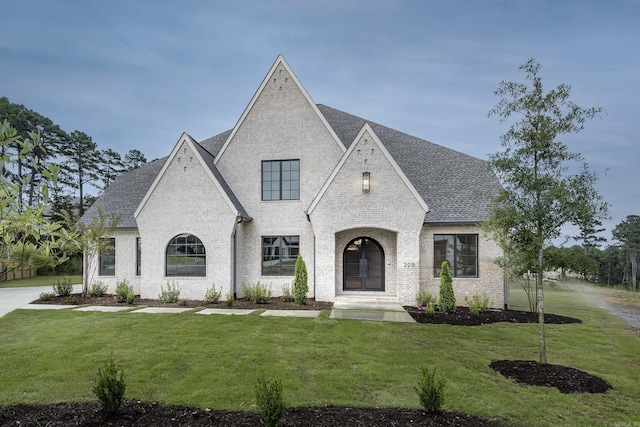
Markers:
{"x": 363, "y": 264}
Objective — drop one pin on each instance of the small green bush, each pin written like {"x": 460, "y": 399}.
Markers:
{"x": 229, "y": 299}
{"x": 477, "y": 304}
{"x": 300, "y": 284}
{"x": 430, "y": 310}
{"x": 171, "y": 294}
{"x": 47, "y": 296}
{"x": 270, "y": 401}
{"x": 131, "y": 297}
{"x": 430, "y": 390}
{"x": 423, "y": 298}
{"x": 97, "y": 289}
{"x": 212, "y": 296}
{"x": 71, "y": 301}
{"x": 122, "y": 290}
{"x": 258, "y": 293}
{"x": 287, "y": 296}
{"x": 447, "y": 302}
{"x": 63, "y": 288}
{"x": 109, "y": 387}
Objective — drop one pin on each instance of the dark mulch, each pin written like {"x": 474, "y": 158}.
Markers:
{"x": 564, "y": 378}
{"x": 140, "y": 414}
{"x": 463, "y": 317}
{"x": 273, "y": 304}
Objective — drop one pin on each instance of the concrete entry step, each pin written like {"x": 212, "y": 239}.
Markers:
{"x": 355, "y": 305}
{"x": 368, "y": 314}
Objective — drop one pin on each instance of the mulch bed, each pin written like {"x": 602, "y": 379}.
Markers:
{"x": 273, "y": 304}
{"x": 141, "y": 414}
{"x": 564, "y": 378}
{"x": 463, "y": 317}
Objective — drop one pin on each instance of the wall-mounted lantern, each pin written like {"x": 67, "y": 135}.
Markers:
{"x": 366, "y": 182}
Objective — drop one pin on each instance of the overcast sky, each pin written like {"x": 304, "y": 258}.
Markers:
{"x": 136, "y": 74}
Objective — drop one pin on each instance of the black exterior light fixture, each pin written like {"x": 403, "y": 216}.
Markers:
{"x": 366, "y": 182}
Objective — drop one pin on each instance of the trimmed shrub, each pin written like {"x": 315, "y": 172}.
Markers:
{"x": 430, "y": 390}
{"x": 477, "y": 304}
{"x": 97, "y": 289}
{"x": 63, "y": 288}
{"x": 47, "y": 296}
{"x": 229, "y": 299}
{"x": 171, "y": 294}
{"x": 447, "y": 302}
{"x": 430, "y": 310}
{"x": 258, "y": 293}
{"x": 269, "y": 401}
{"x": 423, "y": 298}
{"x": 109, "y": 387}
{"x": 122, "y": 290}
{"x": 131, "y": 297}
{"x": 212, "y": 296}
{"x": 300, "y": 285}
{"x": 287, "y": 296}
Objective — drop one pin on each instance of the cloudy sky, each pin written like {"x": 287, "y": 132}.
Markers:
{"x": 136, "y": 74}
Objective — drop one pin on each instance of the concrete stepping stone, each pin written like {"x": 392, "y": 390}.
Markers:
{"x": 228, "y": 311}
{"x": 46, "y": 307}
{"x": 161, "y": 310}
{"x": 105, "y": 308}
{"x": 292, "y": 313}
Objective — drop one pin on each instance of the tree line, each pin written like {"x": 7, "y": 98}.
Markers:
{"x": 81, "y": 162}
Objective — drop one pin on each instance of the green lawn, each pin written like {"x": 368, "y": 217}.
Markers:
{"x": 39, "y": 281}
{"x": 213, "y": 361}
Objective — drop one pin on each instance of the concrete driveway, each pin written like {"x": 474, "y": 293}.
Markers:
{"x": 13, "y": 298}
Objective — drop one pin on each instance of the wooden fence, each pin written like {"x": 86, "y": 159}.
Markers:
{"x": 15, "y": 274}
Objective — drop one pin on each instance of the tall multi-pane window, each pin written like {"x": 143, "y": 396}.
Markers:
{"x": 281, "y": 180}
{"x": 186, "y": 257}
{"x": 459, "y": 250}
{"x": 108, "y": 259}
{"x": 279, "y": 254}
{"x": 138, "y": 256}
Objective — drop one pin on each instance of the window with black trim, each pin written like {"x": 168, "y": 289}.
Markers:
{"x": 138, "y": 256}
{"x": 186, "y": 257}
{"x": 279, "y": 254}
{"x": 108, "y": 259}
{"x": 281, "y": 180}
{"x": 459, "y": 250}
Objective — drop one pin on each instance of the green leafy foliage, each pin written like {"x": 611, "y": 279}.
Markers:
{"x": 257, "y": 292}
{"x": 171, "y": 294}
{"x": 477, "y": 304}
{"x": 270, "y": 401}
{"x": 109, "y": 387}
{"x": 430, "y": 390}
{"x": 229, "y": 299}
{"x": 47, "y": 296}
{"x": 423, "y": 298}
{"x": 300, "y": 285}
{"x": 130, "y": 297}
{"x": 122, "y": 290}
{"x": 447, "y": 301}
{"x": 287, "y": 296}
{"x": 430, "y": 310}
{"x": 97, "y": 289}
{"x": 212, "y": 296}
{"x": 63, "y": 287}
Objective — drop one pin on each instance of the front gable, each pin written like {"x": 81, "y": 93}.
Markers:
{"x": 391, "y": 195}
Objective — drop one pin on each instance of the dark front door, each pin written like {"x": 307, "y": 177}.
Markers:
{"x": 363, "y": 264}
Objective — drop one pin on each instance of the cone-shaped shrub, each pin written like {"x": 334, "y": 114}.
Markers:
{"x": 300, "y": 285}
{"x": 447, "y": 296}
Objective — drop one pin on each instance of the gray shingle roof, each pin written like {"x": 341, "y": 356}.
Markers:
{"x": 456, "y": 187}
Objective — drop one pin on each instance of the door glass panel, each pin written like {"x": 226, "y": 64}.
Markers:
{"x": 363, "y": 264}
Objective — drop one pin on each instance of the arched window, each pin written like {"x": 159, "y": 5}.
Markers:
{"x": 185, "y": 257}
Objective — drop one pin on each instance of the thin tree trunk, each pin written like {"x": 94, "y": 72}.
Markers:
{"x": 543, "y": 345}
{"x": 634, "y": 270}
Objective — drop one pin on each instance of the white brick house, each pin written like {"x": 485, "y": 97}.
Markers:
{"x": 373, "y": 211}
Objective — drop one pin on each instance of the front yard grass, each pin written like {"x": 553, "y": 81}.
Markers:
{"x": 213, "y": 361}
{"x": 39, "y": 281}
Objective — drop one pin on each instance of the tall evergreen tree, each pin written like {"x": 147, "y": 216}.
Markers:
{"x": 628, "y": 234}
{"x": 540, "y": 193}
{"x": 82, "y": 164}
{"x": 134, "y": 159}
{"x": 111, "y": 166}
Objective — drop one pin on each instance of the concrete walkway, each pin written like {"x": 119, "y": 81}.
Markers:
{"x": 19, "y": 298}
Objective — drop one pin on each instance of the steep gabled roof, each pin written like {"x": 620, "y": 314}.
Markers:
{"x": 457, "y": 187}
{"x": 206, "y": 159}
{"x": 280, "y": 61}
